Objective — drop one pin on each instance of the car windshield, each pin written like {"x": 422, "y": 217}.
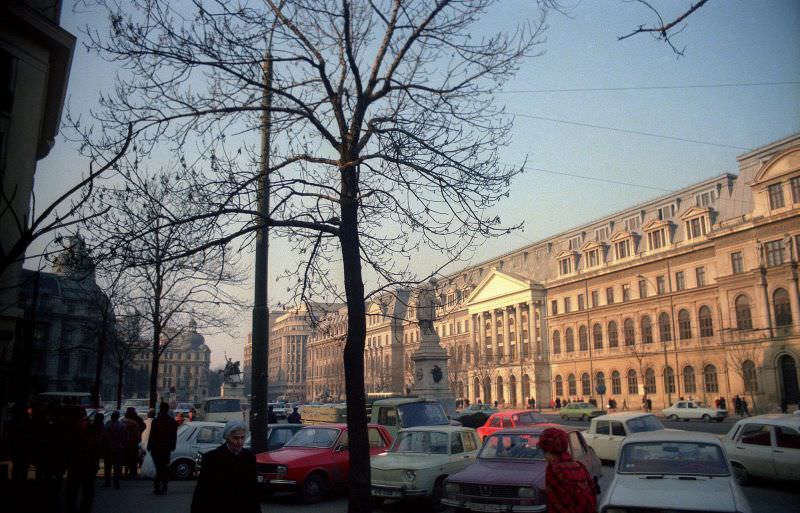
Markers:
{"x": 429, "y": 442}
{"x": 673, "y": 458}
{"x": 646, "y": 423}
{"x": 527, "y": 418}
{"x": 517, "y": 446}
{"x": 422, "y": 414}
{"x": 223, "y": 405}
{"x": 313, "y": 437}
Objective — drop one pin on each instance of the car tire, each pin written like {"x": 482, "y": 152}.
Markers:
{"x": 673, "y": 418}
{"x": 740, "y": 474}
{"x": 182, "y": 469}
{"x": 315, "y": 488}
{"x": 438, "y": 494}
{"x": 706, "y": 418}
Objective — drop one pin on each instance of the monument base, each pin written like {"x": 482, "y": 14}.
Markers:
{"x": 430, "y": 379}
{"x": 232, "y": 390}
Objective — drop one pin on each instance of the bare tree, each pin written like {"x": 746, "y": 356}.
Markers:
{"x": 663, "y": 29}
{"x": 737, "y": 355}
{"x": 127, "y": 344}
{"x": 384, "y": 122}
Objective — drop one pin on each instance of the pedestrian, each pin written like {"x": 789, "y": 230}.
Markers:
{"x": 649, "y": 404}
{"x": 569, "y": 487}
{"x": 83, "y": 463}
{"x": 180, "y": 419}
{"x": 131, "y": 456}
{"x": 162, "y": 440}
{"x": 115, "y": 439}
{"x": 737, "y": 405}
{"x": 716, "y": 403}
{"x": 745, "y": 411}
{"x": 227, "y": 480}
{"x": 624, "y": 404}
{"x": 533, "y": 403}
{"x": 294, "y": 417}
{"x": 271, "y": 417}
{"x": 722, "y": 403}
{"x": 192, "y": 414}
{"x": 558, "y": 403}
{"x": 784, "y": 405}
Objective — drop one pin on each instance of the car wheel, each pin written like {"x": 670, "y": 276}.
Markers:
{"x": 583, "y": 418}
{"x": 438, "y": 494}
{"x": 182, "y": 469}
{"x": 706, "y": 418}
{"x": 740, "y": 474}
{"x": 673, "y": 418}
{"x": 314, "y": 488}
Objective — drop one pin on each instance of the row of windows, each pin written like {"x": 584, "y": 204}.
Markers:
{"x": 775, "y": 192}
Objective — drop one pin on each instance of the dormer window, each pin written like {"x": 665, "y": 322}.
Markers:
{"x": 666, "y": 212}
{"x": 696, "y": 222}
{"x": 575, "y": 243}
{"x": 593, "y": 254}
{"x": 705, "y": 198}
{"x": 567, "y": 263}
{"x": 633, "y": 223}
{"x": 623, "y": 245}
{"x": 658, "y": 234}
{"x": 776, "y": 196}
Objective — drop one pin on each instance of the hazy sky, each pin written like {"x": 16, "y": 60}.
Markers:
{"x": 728, "y": 94}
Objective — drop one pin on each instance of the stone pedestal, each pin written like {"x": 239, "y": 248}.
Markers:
{"x": 232, "y": 390}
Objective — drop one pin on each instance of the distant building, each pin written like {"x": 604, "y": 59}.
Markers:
{"x": 247, "y": 356}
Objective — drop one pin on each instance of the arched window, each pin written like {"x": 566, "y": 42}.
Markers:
{"x": 688, "y": 380}
{"x": 705, "y": 322}
{"x": 586, "y": 384}
{"x": 633, "y": 384}
{"x": 684, "y": 325}
{"x": 783, "y": 311}
{"x": 583, "y": 338}
{"x": 500, "y": 389}
{"x": 526, "y": 387}
{"x": 476, "y": 388}
{"x": 573, "y": 390}
{"x": 630, "y": 337}
{"x": 664, "y": 328}
{"x": 600, "y": 379}
{"x": 569, "y": 340}
{"x": 616, "y": 383}
{"x": 613, "y": 340}
{"x": 597, "y": 335}
{"x": 556, "y": 342}
{"x": 650, "y": 381}
{"x": 710, "y": 379}
{"x": 647, "y": 330}
{"x": 669, "y": 380}
{"x": 749, "y": 375}
{"x": 744, "y": 319}
{"x": 559, "y": 386}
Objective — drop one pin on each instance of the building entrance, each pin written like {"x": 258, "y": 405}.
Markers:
{"x": 790, "y": 393}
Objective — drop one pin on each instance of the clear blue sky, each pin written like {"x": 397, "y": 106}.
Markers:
{"x": 726, "y": 41}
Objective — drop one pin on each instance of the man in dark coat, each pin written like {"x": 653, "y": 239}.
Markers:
{"x": 227, "y": 480}
{"x": 115, "y": 438}
{"x": 294, "y": 417}
{"x": 162, "y": 440}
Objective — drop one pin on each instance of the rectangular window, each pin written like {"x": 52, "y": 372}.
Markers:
{"x": 680, "y": 281}
{"x": 704, "y": 199}
{"x": 795, "y": 186}
{"x": 660, "y": 285}
{"x": 595, "y": 299}
{"x": 623, "y": 249}
{"x": 581, "y": 302}
{"x": 700, "y": 276}
{"x": 737, "y": 262}
{"x": 633, "y": 223}
{"x": 696, "y": 227}
{"x": 567, "y": 304}
{"x": 601, "y": 233}
{"x": 656, "y": 239}
{"x": 554, "y": 307}
{"x": 642, "y": 288}
{"x": 565, "y": 266}
{"x": 610, "y": 295}
{"x": 666, "y": 212}
{"x": 626, "y": 292}
{"x": 575, "y": 243}
{"x": 775, "y": 196}
{"x": 774, "y": 252}
{"x": 592, "y": 258}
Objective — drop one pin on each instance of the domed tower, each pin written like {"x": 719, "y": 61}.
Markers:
{"x": 74, "y": 260}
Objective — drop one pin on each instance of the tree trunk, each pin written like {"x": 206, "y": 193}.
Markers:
{"x": 154, "y": 362}
{"x": 120, "y": 381}
{"x": 101, "y": 355}
{"x": 359, "y": 489}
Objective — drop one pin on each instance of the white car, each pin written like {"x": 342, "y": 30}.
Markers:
{"x": 419, "y": 461}
{"x": 606, "y": 432}
{"x": 687, "y": 410}
{"x": 675, "y": 471}
{"x": 765, "y": 446}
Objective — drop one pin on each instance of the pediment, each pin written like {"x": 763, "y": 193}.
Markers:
{"x": 779, "y": 166}
{"x": 498, "y": 284}
{"x": 654, "y": 224}
{"x": 565, "y": 254}
{"x": 621, "y": 235}
{"x": 592, "y": 245}
{"x": 694, "y": 212}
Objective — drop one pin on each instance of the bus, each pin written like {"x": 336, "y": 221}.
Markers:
{"x": 221, "y": 409}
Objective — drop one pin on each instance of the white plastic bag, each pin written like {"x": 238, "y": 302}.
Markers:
{"x": 148, "y": 470}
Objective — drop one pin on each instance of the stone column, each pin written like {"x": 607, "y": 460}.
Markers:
{"x": 493, "y": 331}
{"x": 518, "y": 330}
{"x": 481, "y": 331}
{"x": 532, "y": 333}
{"x": 506, "y": 338}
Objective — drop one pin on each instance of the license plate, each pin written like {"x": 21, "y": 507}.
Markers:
{"x": 260, "y": 479}
{"x": 477, "y": 506}
{"x": 383, "y": 492}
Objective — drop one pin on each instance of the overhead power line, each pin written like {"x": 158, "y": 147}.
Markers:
{"x": 646, "y": 88}
{"x": 626, "y": 131}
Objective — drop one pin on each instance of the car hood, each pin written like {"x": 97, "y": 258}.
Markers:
{"x": 507, "y": 472}
{"x": 390, "y": 461}
{"x": 291, "y": 455}
{"x": 709, "y": 494}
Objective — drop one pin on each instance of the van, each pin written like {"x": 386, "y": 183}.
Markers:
{"x": 395, "y": 414}
{"x": 220, "y": 409}
{"x": 82, "y": 399}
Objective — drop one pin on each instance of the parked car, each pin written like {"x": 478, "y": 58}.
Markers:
{"x": 277, "y": 436}
{"x": 509, "y": 473}
{"x": 419, "y": 461}
{"x": 580, "y": 411}
{"x": 606, "y": 432}
{"x": 508, "y": 419}
{"x": 192, "y": 438}
{"x": 765, "y": 446}
{"x": 314, "y": 459}
{"x": 140, "y": 405}
{"x": 475, "y": 415}
{"x": 220, "y": 409}
{"x": 675, "y": 470}
{"x": 407, "y": 412}
{"x": 686, "y": 410}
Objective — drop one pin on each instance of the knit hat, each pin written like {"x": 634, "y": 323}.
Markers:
{"x": 231, "y": 426}
{"x": 555, "y": 441}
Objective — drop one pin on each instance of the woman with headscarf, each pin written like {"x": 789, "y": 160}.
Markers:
{"x": 227, "y": 480}
{"x": 568, "y": 484}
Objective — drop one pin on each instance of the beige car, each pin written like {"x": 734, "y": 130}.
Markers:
{"x": 765, "y": 446}
{"x": 606, "y": 432}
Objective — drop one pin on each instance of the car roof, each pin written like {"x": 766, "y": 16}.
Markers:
{"x": 624, "y": 415}
{"x": 444, "y": 428}
{"x": 397, "y": 401}
{"x": 204, "y": 423}
{"x": 506, "y": 413}
{"x": 536, "y": 428}
{"x": 577, "y": 403}
{"x": 672, "y": 436}
{"x": 782, "y": 419}
{"x": 334, "y": 425}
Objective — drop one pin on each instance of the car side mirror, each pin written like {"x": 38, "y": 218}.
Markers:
{"x": 340, "y": 447}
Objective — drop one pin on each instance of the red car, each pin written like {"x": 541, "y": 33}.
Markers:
{"x": 315, "y": 459}
{"x": 509, "y": 419}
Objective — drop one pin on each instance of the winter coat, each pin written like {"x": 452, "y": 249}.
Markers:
{"x": 227, "y": 482}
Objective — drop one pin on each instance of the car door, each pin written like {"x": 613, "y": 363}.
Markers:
{"x": 378, "y": 443}
{"x": 786, "y": 452}
{"x": 495, "y": 423}
{"x": 599, "y": 438}
{"x": 753, "y": 448}
{"x": 692, "y": 411}
{"x": 339, "y": 464}
{"x": 618, "y": 434}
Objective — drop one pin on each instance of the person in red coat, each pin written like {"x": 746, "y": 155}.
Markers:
{"x": 569, "y": 486}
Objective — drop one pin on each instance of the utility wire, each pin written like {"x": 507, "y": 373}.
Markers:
{"x": 646, "y": 88}
{"x": 626, "y": 131}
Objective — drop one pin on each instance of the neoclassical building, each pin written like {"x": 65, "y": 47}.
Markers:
{"x": 692, "y": 294}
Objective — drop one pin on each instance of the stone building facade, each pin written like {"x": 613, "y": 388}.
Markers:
{"x": 692, "y": 294}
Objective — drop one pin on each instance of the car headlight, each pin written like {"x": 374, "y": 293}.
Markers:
{"x": 281, "y": 469}
{"x": 410, "y": 475}
{"x": 527, "y": 492}
{"x": 451, "y": 488}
